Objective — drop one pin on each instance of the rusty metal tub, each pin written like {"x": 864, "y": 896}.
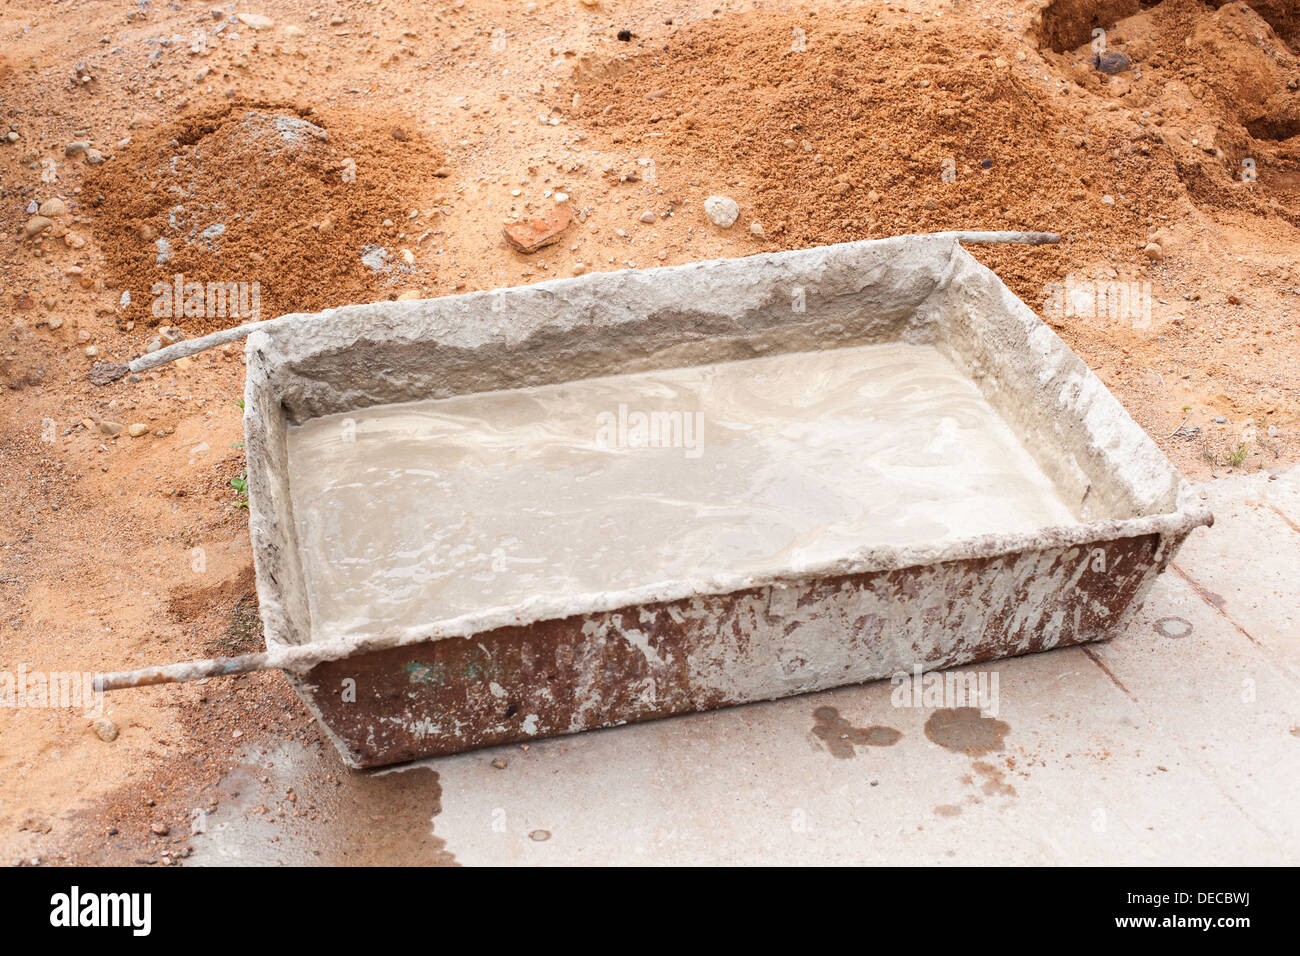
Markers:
{"x": 557, "y": 665}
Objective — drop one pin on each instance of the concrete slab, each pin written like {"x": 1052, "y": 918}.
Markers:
{"x": 1174, "y": 743}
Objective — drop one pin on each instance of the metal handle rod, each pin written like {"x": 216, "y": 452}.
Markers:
{"x": 1029, "y": 238}
{"x": 296, "y": 657}
{"x": 190, "y": 346}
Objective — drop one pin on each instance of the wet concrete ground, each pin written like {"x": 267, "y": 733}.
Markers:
{"x": 1177, "y": 742}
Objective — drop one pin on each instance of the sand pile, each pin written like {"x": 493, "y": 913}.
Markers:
{"x": 1068, "y": 24}
{"x": 860, "y": 126}
{"x": 875, "y": 129}
{"x": 1220, "y": 87}
{"x": 309, "y": 207}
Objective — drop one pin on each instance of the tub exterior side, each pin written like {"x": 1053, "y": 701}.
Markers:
{"x": 583, "y": 672}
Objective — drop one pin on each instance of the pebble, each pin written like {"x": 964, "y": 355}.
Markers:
{"x": 579, "y": 268}
{"x": 137, "y": 430}
{"x": 94, "y": 157}
{"x": 1108, "y": 200}
{"x": 105, "y": 730}
{"x": 53, "y": 207}
{"x": 756, "y": 228}
{"x": 160, "y": 829}
{"x": 1153, "y": 251}
{"x": 530, "y": 235}
{"x": 1111, "y": 62}
{"x": 170, "y": 335}
{"x": 103, "y": 373}
{"x": 721, "y": 210}
{"x": 36, "y": 225}
{"x": 255, "y": 21}
{"x": 499, "y": 763}
{"x": 54, "y": 323}
{"x": 109, "y": 428}
{"x": 92, "y": 351}
{"x": 647, "y": 217}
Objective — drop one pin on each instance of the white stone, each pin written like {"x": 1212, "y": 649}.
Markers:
{"x": 721, "y": 210}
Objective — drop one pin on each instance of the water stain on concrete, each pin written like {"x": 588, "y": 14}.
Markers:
{"x": 841, "y": 737}
{"x": 1174, "y": 627}
{"x": 299, "y": 805}
{"x": 963, "y": 729}
{"x": 995, "y": 780}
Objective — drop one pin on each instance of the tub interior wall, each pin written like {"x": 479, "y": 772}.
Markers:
{"x": 1102, "y": 463}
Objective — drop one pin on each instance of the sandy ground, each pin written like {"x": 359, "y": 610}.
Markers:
{"x": 119, "y": 550}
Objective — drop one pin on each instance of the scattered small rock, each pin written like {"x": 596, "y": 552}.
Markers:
{"x": 160, "y": 829}
{"x": 54, "y": 207}
{"x": 1111, "y": 62}
{"x": 36, "y": 225}
{"x": 529, "y": 235}
{"x": 103, "y": 373}
{"x": 105, "y": 730}
{"x": 647, "y": 217}
{"x": 109, "y": 428}
{"x": 255, "y": 21}
{"x": 137, "y": 430}
{"x": 1153, "y": 251}
{"x": 721, "y": 210}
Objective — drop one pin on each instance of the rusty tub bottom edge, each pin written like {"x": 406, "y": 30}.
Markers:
{"x": 557, "y": 677}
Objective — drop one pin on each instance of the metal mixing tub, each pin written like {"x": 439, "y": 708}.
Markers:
{"x": 558, "y": 665}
